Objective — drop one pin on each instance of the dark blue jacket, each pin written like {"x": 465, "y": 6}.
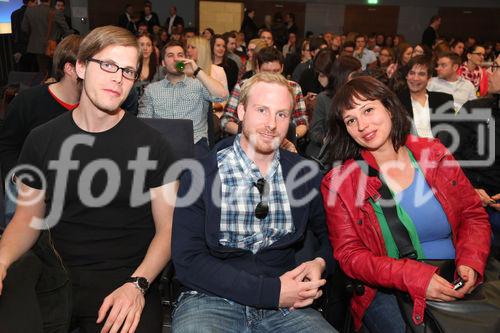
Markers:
{"x": 203, "y": 265}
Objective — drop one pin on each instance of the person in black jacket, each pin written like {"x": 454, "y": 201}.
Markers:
{"x": 480, "y": 142}
{"x": 237, "y": 256}
{"x": 425, "y": 108}
{"x": 149, "y": 17}
{"x": 24, "y": 62}
{"x": 248, "y": 26}
{"x": 430, "y": 34}
{"x": 126, "y": 19}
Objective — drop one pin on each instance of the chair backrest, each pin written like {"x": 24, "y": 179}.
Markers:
{"x": 177, "y": 132}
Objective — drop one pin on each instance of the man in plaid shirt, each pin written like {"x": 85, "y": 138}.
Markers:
{"x": 235, "y": 248}
{"x": 269, "y": 60}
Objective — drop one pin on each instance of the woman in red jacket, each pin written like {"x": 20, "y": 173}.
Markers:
{"x": 434, "y": 200}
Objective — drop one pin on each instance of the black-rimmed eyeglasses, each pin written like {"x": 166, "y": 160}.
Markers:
{"x": 262, "y": 208}
{"x": 109, "y": 67}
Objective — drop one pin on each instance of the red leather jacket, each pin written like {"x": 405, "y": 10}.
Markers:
{"x": 357, "y": 239}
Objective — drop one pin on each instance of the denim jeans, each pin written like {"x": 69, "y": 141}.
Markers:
{"x": 197, "y": 312}
{"x": 383, "y": 315}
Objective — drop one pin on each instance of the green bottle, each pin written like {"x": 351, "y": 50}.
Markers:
{"x": 179, "y": 65}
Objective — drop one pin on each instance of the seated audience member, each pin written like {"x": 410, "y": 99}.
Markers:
{"x": 36, "y": 106}
{"x": 267, "y": 36}
{"x": 486, "y": 180}
{"x": 291, "y": 46}
{"x": 333, "y": 73}
{"x": 142, "y": 28}
{"x": 269, "y": 60}
{"x": 403, "y": 55}
{"x": 106, "y": 252}
{"x": 472, "y": 71}
{"x": 183, "y": 94}
{"x": 208, "y": 33}
{"x": 448, "y": 81}
{"x": 439, "y": 209}
{"x": 309, "y": 78}
{"x": 230, "y": 40}
{"x": 198, "y": 49}
{"x": 366, "y": 56}
{"x": 254, "y": 47}
{"x": 348, "y": 48}
{"x": 420, "y": 50}
{"x": 458, "y": 47}
{"x": 150, "y": 71}
{"x": 221, "y": 59}
{"x": 420, "y": 104}
{"x": 294, "y": 60}
{"x": 237, "y": 259}
{"x": 315, "y": 45}
{"x": 386, "y": 57}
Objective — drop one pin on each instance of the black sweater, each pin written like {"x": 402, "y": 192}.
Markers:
{"x": 29, "y": 109}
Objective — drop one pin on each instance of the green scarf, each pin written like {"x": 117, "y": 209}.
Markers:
{"x": 390, "y": 244}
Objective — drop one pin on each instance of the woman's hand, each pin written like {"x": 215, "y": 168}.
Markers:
{"x": 441, "y": 290}
{"x": 469, "y": 276}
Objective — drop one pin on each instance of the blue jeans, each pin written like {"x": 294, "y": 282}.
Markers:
{"x": 383, "y": 315}
{"x": 197, "y": 312}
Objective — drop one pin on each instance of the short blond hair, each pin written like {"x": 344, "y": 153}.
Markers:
{"x": 267, "y": 78}
{"x": 102, "y": 37}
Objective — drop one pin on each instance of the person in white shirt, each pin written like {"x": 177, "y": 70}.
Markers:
{"x": 424, "y": 107}
{"x": 365, "y": 56}
{"x": 448, "y": 81}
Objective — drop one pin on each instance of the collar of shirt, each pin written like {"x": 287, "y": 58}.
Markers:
{"x": 168, "y": 83}
{"x": 249, "y": 166}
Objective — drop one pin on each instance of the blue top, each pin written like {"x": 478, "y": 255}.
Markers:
{"x": 433, "y": 229}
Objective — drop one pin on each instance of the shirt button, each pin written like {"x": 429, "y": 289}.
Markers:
{"x": 454, "y": 182}
{"x": 360, "y": 222}
{"x": 417, "y": 317}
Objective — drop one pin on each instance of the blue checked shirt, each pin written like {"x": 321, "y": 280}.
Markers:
{"x": 239, "y": 228}
{"x": 187, "y": 99}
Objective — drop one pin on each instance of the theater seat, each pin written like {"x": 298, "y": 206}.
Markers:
{"x": 177, "y": 132}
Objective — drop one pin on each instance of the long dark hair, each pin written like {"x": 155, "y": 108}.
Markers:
{"x": 212, "y": 44}
{"x": 153, "y": 59}
{"x": 341, "y": 146}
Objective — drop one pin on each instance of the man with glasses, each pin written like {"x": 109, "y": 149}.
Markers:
{"x": 101, "y": 191}
{"x": 472, "y": 71}
{"x": 235, "y": 248}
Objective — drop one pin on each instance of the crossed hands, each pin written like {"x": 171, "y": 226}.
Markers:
{"x": 301, "y": 286}
{"x": 126, "y": 304}
{"x": 441, "y": 290}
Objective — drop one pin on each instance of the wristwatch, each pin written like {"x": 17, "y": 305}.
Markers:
{"x": 195, "y": 73}
{"x": 139, "y": 282}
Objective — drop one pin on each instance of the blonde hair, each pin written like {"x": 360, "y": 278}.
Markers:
{"x": 204, "y": 55}
{"x": 102, "y": 37}
{"x": 259, "y": 45}
{"x": 267, "y": 78}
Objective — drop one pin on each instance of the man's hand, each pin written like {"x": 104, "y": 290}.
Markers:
{"x": 441, "y": 290}
{"x": 3, "y": 274}
{"x": 496, "y": 204}
{"x": 189, "y": 66}
{"x": 126, "y": 304}
{"x": 293, "y": 286}
{"x": 288, "y": 145}
{"x": 469, "y": 276}
{"x": 485, "y": 198}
